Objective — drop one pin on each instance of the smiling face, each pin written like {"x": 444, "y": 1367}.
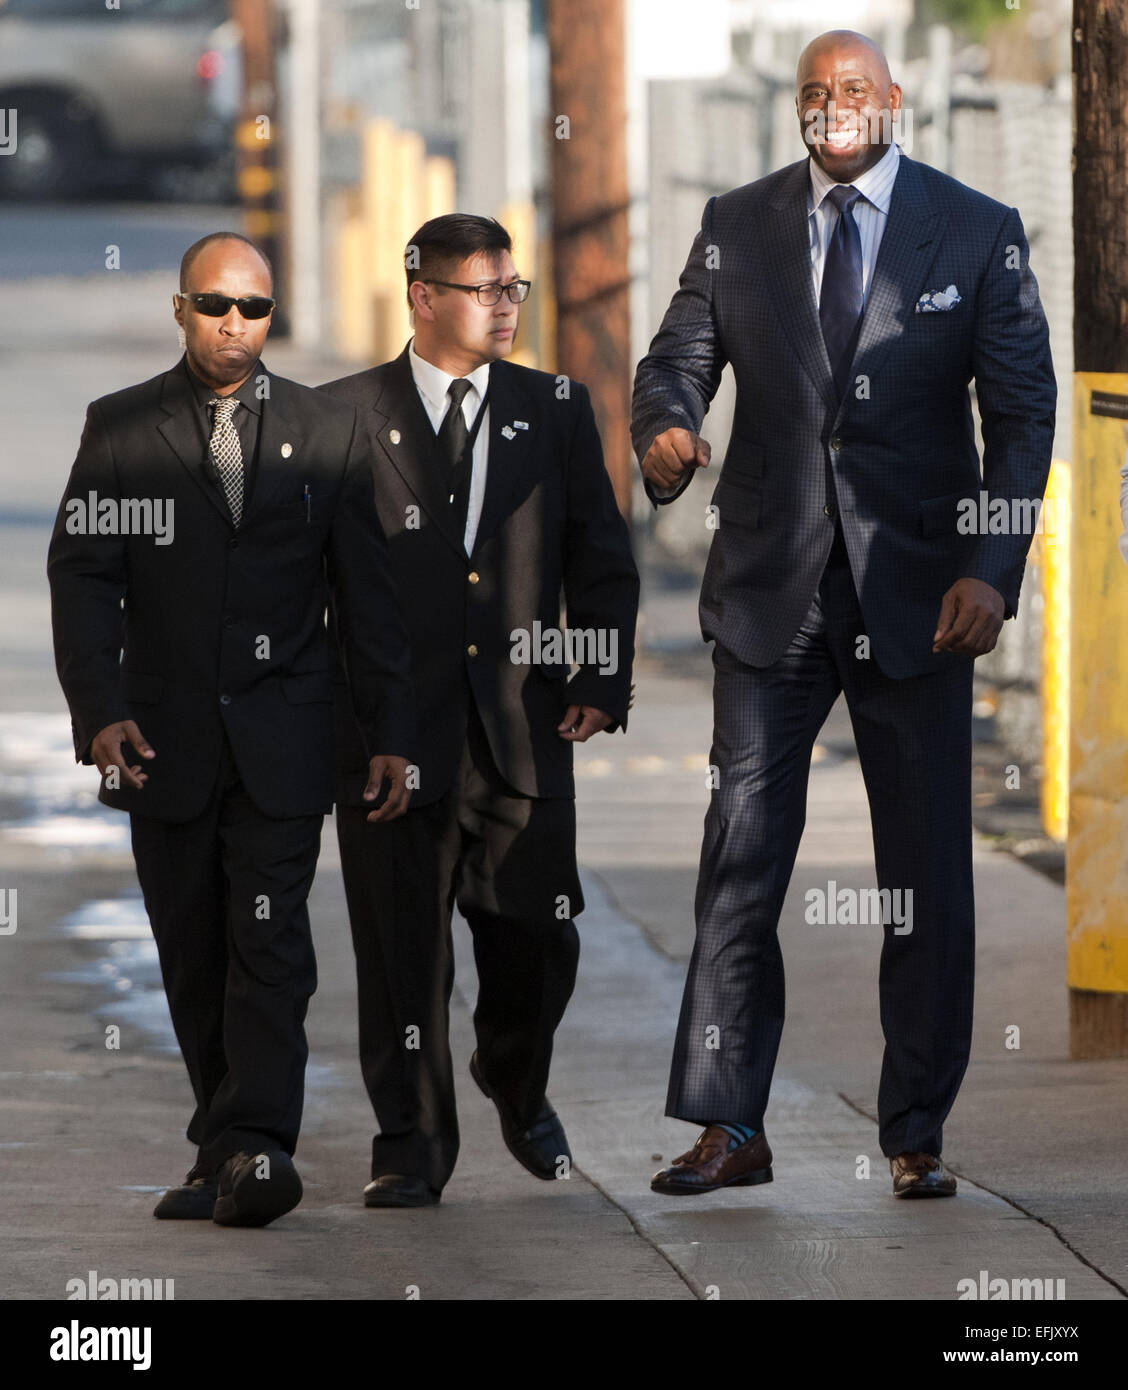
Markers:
{"x": 452, "y": 330}
{"x": 222, "y": 352}
{"x": 843, "y": 87}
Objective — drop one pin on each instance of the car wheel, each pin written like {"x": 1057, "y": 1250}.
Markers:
{"x": 55, "y": 144}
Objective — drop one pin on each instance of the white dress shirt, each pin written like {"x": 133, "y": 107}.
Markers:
{"x": 432, "y": 384}
{"x": 871, "y": 212}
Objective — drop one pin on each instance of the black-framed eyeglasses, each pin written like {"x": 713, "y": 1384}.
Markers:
{"x": 517, "y": 290}
{"x": 216, "y": 306}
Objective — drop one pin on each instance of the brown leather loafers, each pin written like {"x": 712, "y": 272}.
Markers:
{"x": 921, "y": 1175}
{"x": 716, "y": 1161}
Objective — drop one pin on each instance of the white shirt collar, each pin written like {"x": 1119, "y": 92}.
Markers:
{"x": 875, "y": 185}
{"x": 433, "y": 383}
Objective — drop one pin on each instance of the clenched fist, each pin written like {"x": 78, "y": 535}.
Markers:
{"x": 673, "y": 453}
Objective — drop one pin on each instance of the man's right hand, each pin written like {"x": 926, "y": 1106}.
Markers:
{"x": 106, "y": 751}
{"x": 673, "y": 453}
{"x": 385, "y": 768}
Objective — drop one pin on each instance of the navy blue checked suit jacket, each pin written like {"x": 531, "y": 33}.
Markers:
{"x": 895, "y": 457}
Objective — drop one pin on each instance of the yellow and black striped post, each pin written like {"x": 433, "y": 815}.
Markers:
{"x": 257, "y": 145}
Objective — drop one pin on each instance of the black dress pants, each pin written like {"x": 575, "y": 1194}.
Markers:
{"x": 914, "y": 745}
{"x": 510, "y": 863}
{"x": 226, "y": 896}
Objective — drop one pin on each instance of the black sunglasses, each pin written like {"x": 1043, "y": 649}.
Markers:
{"x": 215, "y": 306}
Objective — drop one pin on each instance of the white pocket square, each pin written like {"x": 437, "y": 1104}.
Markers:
{"x": 938, "y": 301}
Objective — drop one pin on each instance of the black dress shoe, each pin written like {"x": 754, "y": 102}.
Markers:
{"x": 399, "y": 1190}
{"x": 255, "y": 1189}
{"x": 537, "y": 1148}
{"x": 194, "y": 1200}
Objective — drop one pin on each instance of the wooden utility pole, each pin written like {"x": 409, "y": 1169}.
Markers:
{"x": 590, "y": 240}
{"x": 257, "y": 146}
{"x": 1100, "y": 155}
{"x": 1096, "y": 879}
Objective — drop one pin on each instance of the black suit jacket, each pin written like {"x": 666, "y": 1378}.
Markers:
{"x": 896, "y": 457}
{"x": 549, "y": 528}
{"x": 224, "y": 629}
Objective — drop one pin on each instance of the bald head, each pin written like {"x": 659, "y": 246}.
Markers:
{"x": 845, "y": 99}
{"x": 217, "y": 239}
{"x": 844, "y": 39}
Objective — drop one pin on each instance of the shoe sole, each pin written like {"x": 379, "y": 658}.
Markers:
{"x": 186, "y": 1204}
{"x": 202, "y": 1214}
{"x": 920, "y": 1192}
{"x": 395, "y": 1199}
{"x": 536, "y": 1172}
{"x": 255, "y": 1202}
{"x": 756, "y": 1178}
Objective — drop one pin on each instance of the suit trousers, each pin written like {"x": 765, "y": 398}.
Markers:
{"x": 914, "y": 743}
{"x": 510, "y": 863}
{"x": 226, "y": 896}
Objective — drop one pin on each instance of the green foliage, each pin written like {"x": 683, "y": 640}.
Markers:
{"x": 971, "y": 18}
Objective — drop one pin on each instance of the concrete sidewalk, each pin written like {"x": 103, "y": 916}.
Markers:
{"x": 90, "y": 1134}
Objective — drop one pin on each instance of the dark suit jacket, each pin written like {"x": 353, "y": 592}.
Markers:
{"x": 224, "y": 629}
{"x": 898, "y": 453}
{"x": 549, "y": 527}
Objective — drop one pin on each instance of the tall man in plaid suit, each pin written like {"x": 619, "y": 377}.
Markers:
{"x": 856, "y": 293}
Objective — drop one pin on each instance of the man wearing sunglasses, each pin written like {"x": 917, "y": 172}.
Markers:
{"x": 195, "y": 665}
{"x": 492, "y": 491}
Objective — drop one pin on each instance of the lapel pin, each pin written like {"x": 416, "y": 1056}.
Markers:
{"x": 520, "y": 424}
{"x": 509, "y": 432}
{"x": 287, "y": 450}
{"x": 394, "y": 436}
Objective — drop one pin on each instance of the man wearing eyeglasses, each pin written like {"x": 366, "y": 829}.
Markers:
{"x": 491, "y": 488}
{"x": 195, "y": 665}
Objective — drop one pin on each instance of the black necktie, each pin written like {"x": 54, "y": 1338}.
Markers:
{"x": 453, "y": 436}
{"x": 840, "y": 302}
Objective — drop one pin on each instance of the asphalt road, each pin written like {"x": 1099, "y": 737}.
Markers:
{"x": 72, "y": 239}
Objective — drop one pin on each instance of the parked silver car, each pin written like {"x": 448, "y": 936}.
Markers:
{"x": 102, "y": 93}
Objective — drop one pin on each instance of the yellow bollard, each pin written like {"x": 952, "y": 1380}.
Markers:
{"x": 353, "y": 325}
{"x": 520, "y": 221}
{"x": 1097, "y": 854}
{"x": 400, "y": 187}
{"x": 1050, "y": 553}
{"x": 440, "y": 186}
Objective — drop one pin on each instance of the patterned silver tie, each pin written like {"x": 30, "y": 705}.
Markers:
{"x": 227, "y": 454}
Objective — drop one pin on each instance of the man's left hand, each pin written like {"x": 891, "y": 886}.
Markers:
{"x": 581, "y": 721}
{"x": 971, "y": 618}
